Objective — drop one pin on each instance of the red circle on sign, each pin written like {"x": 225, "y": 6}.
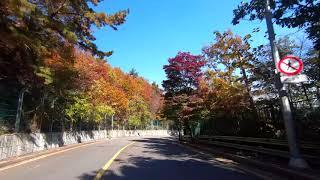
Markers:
{"x": 293, "y": 59}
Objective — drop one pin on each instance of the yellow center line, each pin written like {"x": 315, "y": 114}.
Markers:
{"x": 106, "y": 166}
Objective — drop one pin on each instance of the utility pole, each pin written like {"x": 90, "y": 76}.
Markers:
{"x": 296, "y": 160}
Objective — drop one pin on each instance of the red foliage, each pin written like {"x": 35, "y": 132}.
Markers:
{"x": 183, "y": 73}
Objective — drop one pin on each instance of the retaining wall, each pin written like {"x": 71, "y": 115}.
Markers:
{"x": 19, "y": 144}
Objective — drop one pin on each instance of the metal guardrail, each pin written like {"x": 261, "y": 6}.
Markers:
{"x": 266, "y": 146}
{"x": 266, "y": 141}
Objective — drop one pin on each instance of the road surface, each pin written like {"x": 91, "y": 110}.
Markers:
{"x": 149, "y": 158}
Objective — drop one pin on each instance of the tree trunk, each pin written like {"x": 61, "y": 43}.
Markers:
{"x": 306, "y": 95}
{"x": 51, "y": 126}
{"x": 246, "y": 81}
{"x": 62, "y": 125}
{"x": 318, "y": 93}
{"x": 290, "y": 97}
{"x": 179, "y": 134}
{"x": 179, "y": 131}
{"x": 71, "y": 126}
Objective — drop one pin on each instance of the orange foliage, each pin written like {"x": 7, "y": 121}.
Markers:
{"x": 111, "y": 86}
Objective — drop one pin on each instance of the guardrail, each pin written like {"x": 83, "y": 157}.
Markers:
{"x": 266, "y": 141}
{"x": 273, "y": 147}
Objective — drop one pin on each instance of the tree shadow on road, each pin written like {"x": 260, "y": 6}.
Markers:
{"x": 164, "y": 159}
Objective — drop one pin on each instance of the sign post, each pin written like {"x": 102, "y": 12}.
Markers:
{"x": 296, "y": 160}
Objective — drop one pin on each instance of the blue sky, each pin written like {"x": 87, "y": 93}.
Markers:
{"x": 156, "y": 30}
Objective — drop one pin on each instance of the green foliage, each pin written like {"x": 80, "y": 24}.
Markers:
{"x": 101, "y": 112}
{"x": 291, "y": 14}
{"x": 80, "y": 109}
{"x": 46, "y": 74}
{"x": 47, "y": 25}
{"x": 312, "y": 66}
{"x": 133, "y": 72}
{"x": 139, "y": 114}
{"x": 303, "y": 97}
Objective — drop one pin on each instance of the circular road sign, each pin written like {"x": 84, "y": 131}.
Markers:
{"x": 290, "y": 65}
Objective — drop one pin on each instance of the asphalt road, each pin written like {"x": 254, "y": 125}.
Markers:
{"x": 147, "y": 159}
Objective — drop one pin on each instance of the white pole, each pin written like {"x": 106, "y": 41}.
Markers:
{"x": 112, "y": 122}
{"x": 296, "y": 160}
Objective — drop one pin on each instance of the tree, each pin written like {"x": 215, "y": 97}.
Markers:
{"x": 35, "y": 30}
{"x": 155, "y": 101}
{"x": 302, "y": 96}
{"x": 291, "y": 14}
{"x": 78, "y": 111}
{"x": 101, "y": 112}
{"x": 232, "y": 52}
{"x": 46, "y": 25}
{"x": 84, "y": 92}
{"x": 312, "y": 67}
{"x": 133, "y": 72}
{"x": 139, "y": 114}
{"x": 183, "y": 73}
{"x": 183, "y": 76}
{"x": 263, "y": 66}
{"x": 103, "y": 92}
{"x": 225, "y": 101}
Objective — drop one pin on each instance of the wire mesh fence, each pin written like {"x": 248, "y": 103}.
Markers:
{"x": 8, "y": 111}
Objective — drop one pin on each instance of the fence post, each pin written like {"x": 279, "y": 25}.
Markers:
{"x": 112, "y": 122}
{"x": 19, "y": 110}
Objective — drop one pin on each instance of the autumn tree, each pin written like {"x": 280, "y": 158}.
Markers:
{"x": 183, "y": 76}
{"x": 84, "y": 93}
{"x": 139, "y": 113}
{"x": 226, "y": 104}
{"x": 233, "y": 53}
{"x": 34, "y": 31}
{"x": 78, "y": 111}
{"x": 155, "y": 101}
{"x": 134, "y": 101}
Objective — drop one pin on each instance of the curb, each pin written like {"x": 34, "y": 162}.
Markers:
{"x": 18, "y": 159}
{"x": 273, "y": 168}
